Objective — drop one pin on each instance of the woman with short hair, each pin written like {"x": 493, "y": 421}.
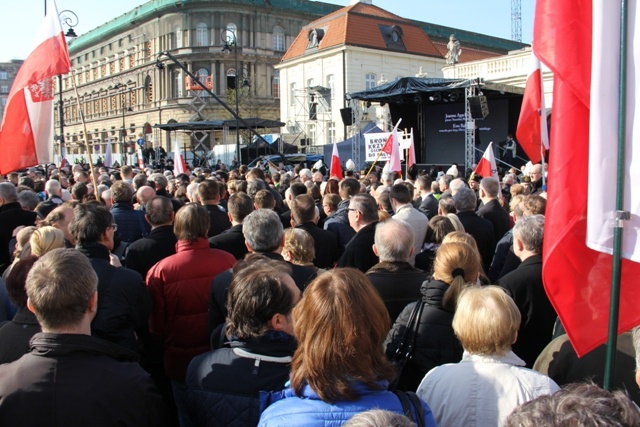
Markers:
{"x": 490, "y": 381}
{"x": 338, "y": 369}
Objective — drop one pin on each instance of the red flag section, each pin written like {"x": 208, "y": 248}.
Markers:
{"x": 487, "y": 165}
{"x": 26, "y": 137}
{"x": 531, "y": 133}
{"x": 576, "y": 278}
{"x": 336, "y": 169}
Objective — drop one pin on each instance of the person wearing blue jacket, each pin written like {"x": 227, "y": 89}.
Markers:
{"x": 339, "y": 368}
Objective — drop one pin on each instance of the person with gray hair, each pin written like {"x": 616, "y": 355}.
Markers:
{"x": 491, "y": 209}
{"x": 524, "y": 284}
{"x": 400, "y": 198}
{"x": 395, "y": 279}
{"x": 69, "y": 375}
{"x": 481, "y": 229}
{"x": 11, "y": 216}
{"x": 379, "y": 418}
{"x": 264, "y": 235}
{"x": 457, "y": 184}
{"x": 54, "y": 199}
{"x": 363, "y": 218}
{"x": 29, "y": 200}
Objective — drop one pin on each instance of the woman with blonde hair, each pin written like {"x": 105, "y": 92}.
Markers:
{"x": 338, "y": 369}
{"x": 456, "y": 266}
{"x": 299, "y": 248}
{"x": 45, "y": 239}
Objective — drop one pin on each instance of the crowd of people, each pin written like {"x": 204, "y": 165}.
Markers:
{"x": 253, "y": 298}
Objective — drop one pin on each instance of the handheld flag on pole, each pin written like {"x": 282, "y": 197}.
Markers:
{"x": 391, "y": 147}
{"x": 273, "y": 169}
{"x": 532, "y": 132}
{"x": 178, "y": 161}
{"x": 336, "y": 168}
{"x": 487, "y": 164}
{"x": 26, "y": 136}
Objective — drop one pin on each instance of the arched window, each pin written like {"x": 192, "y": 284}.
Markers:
{"x": 177, "y": 84}
{"x": 278, "y": 39}
{"x": 275, "y": 84}
{"x": 202, "y": 34}
{"x": 148, "y": 89}
{"x": 202, "y": 73}
{"x": 178, "y": 43}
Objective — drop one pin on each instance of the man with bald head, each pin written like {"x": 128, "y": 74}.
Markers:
{"x": 54, "y": 199}
{"x": 143, "y": 195}
{"x": 60, "y": 218}
{"x": 491, "y": 209}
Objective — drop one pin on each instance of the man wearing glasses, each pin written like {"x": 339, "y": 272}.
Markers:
{"x": 363, "y": 218}
{"x": 535, "y": 173}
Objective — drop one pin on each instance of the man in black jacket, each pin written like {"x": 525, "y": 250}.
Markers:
{"x": 209, "y": 196}
{"x": 524, "y": 284}
{"x": 124, "y": 306}
{"x": 11, "y": 216}
{"x": 71, "y": 378}
{"x": 232, "y": 239}
{"x": 144, "y": 253}
{"x": 479, "y": 228}
{"x": 491, "y": 209}
{"x": 363, "y": 217}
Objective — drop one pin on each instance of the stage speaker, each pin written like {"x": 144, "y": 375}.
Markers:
{"x": 347, "y": 118}
{"x": 478, "y": 107}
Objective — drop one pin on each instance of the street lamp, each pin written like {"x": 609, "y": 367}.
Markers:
{"x": 230, "y": 40}
{"x": 70, "y": 20}
{"x": 123, "y": 132}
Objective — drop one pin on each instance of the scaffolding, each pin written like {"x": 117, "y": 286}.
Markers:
{"x": 311, "y": 117}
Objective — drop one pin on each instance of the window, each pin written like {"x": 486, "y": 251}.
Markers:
{"x": 292, "y": 94}
{"x": 275, "y": 84}
{"x": 177, "y": 84}
{"x": 311, "y": 82}
{"x": 331, "y": 132}
{"x": 232, "y": 34}
{"x": 178, "y": 37}
{"x": 4, "y": 75}
{"x": 311, "y": 135}
{"x": 278, "y": 39}
{"x": 331, "y": 85}
{"x": 3, "y": 102}
{"x": 4, "y": 89}
{"x": 202, "y": 75}
{"x": 202, "y": 34}
{"x": 370, "y": 81}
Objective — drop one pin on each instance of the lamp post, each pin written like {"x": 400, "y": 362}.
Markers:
{"x": 230, "y": 39}
{"x": 123, "y": 131}
{"x": 70, "y": 20}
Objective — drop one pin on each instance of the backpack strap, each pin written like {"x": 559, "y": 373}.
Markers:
{"x": 410, "y": 402}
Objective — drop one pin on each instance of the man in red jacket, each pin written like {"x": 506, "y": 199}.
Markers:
{"x": 179, "y": 286}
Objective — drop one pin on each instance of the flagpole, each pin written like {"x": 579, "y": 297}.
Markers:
{"x": 621, "y": 215}
{"x": 86, "y": 140}
{"x": 395, "y": 128}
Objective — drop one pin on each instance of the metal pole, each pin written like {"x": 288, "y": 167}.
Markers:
{"x": 61, "y": 117}
{"x": 123, "y": 136}
{"x": 621, "y": 215}
{"x": 235, "y": 51}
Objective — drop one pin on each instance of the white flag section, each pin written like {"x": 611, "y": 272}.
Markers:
{"x": 374, "y": 142}
{"x": 601, "y": 204}
{"x": 178, "y": 161}
{"x": 108, "y": 155}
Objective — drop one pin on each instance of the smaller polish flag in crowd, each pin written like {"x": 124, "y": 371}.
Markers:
{"x": 26, "y": 135}
{"x": 392, "y": 148}
{"x": 336, "y": 168}
{"x": 178, "y": 161}
{"x": 487, "y": 164}
{"x": 140, "y": 158}
{"x": 108, "y": 155}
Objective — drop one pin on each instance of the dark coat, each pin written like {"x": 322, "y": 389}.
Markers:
{"x": 524, "y": 284}
{"x": 359, "y": 252}
{"x": 302, "y": 276}
{"x": 218, "y": 220}
{"x": 497, "y": 216}
{"x": 131, "y": 223}
{"x": 179, "y": 286}
{"x": 482, "y": 231}
{"x": 223, "y": 386}
{"x": 325, "y": 243}
{"x": 11, "y": 216}
{"x": 230, "y": 240}
{"x": 338, "y": 224}
{"x": 77, "y": 380}
{"x": 429, "y": 206}
{"x": 124, "y": 305}
{"x": 16, "y": 334}
{"x": 144, "y": 253}
{"x": 436, "y": 343}
{"x": 398, "y": 284}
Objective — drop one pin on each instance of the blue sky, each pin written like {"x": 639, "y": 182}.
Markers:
{"x": 492, "y": 17}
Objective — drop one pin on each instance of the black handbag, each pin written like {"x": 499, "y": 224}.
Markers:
{"x": 404, "y": 351}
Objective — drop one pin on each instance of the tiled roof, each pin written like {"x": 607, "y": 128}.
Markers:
{"x": 359, "y": 25}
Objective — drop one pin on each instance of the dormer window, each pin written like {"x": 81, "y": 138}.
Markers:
{"x": 314, "y": 36}
{"x": 392, "y": 35}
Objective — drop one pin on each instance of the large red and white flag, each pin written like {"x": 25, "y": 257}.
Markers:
{"x": 392, "y": 147}
{"x": 532, "y": 132}
{"x": 26, "y": 136}
{"x": 336, "y": 168}
{"x": 178, "y": 161}
{"x": 576, "y": 277}
{"x": 487, "y": 165}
